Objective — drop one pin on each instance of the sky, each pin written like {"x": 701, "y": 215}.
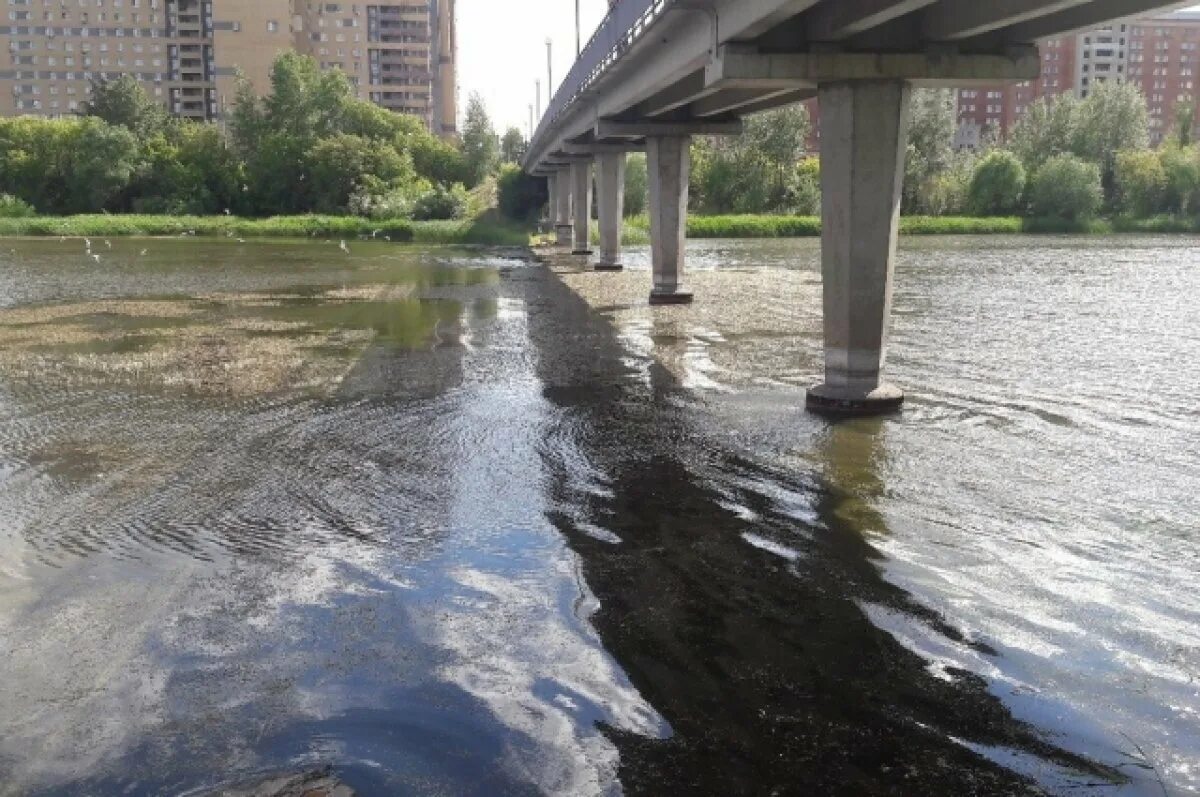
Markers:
{"x": 502, "y": 50}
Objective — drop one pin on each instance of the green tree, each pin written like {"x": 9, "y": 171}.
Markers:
{"x": 1047, "y": 129}
{"x": 438, "y": 161}
{"x": 512, "y": 146}
{"x": 1182, "y": 168}
{"x": 124, "y": 103}
{"x": 339, "y": 165}
{"x": 1183, "y": 131}
{"x": 1112, "y": 119}
{"x": 520, "y": 196}
{"x": 1068, "y": 188}
{"x": 930, "y": 142}
{"x": 777, "y": 140}
{"x": 636, "y": 184}
{"x": 805, "y": 189}
{"x": 99, "y": 166}
{"x": 997, "y": 185}
{"x": 479, "y": 145}
{"x": 1141, "y": 183}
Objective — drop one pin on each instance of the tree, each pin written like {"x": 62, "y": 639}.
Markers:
{"x": 1141, "y": 183}
{"x": 1068, "y": 188}
{"x": 930, "y": 142}
{"x": 636, "y": 184}
{"x": 1046, "y": 130}
{"x": 478, "y": 142}
{"x": 512, "y": 146}
{"x": 98, "y": 166}
{"x": 997, "y": 185}
{"x": 520, "y": 196}
{"x": 337, "y": 166}
{"x": 1183, "y": 131}
{"x": 777, "y": 139}
{"x": 1112, "y": 119}
{"x": 1182, "y": 168}
{"x": 123, "y": 102}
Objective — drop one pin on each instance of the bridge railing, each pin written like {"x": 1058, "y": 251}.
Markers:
{"x": 624, "y": 25}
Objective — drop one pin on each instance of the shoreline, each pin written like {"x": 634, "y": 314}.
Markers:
{"x": 491, "y": 232}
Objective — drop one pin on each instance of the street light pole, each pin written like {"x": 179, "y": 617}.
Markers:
{"x": 549, "y": 71}
{"x": 538, "y": 83}
{"x": 578, "y": 36}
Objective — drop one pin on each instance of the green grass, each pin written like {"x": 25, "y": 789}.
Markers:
{"x": 486, "y": 230}
{"x": 489, "y": 229}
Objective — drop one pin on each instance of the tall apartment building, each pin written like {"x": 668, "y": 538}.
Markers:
{"x": 188, "y": 53}
{"x": 1159, "y": 55}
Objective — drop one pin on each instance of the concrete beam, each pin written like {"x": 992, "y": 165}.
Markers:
{"x": 591, "y": 150}
{"x": 767, "y": 21}
{"x": 1086, "y": 17}
{"x": 607, "y": 128}
{"x": 734, "y": 100}
{"x": 949, "y": 21}
{"x": 736, "y": 66}
{"x": 835, "y": 21}
{"x": 778, "y": 101}
{"x": 680, "y": 94}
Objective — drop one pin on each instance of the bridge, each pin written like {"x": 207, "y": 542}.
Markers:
{"x": 658, "y": 72}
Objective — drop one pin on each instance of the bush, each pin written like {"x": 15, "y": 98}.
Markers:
{"x": 1067, "y": 188}
{"x": 520, "y": 196}
{"x": 440, "y": 204}
{"x": 1141, "y": 183}
{"x": 1181, "y": 165}
{"x": 804, "y": 188}
{"x": 636, "y": 184}
{"x": 13, "y": 208}
{"x": 997, "y": 185}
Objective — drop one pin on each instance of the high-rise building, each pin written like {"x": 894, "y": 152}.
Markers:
{"x": 189, "y": 53}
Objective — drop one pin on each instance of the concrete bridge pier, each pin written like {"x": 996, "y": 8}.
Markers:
{"x": 610, "y": 189}
{"x": 552, "y": 204}
{"x": 581, "y": 203}
{"x": 864, "y": 135}
{"x": 562, "y": 213}
{"x": 668, "y": 160}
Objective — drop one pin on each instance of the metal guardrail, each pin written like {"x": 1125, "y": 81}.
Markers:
{"x": 625, "y": 24}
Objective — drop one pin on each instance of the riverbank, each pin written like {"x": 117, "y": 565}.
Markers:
{"x": 490, "y": 230}
{"x": 637, "y": 229}
{"x": 484, "y": 230}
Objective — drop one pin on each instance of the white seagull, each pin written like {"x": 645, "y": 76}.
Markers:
{"x": 343, "y": 247}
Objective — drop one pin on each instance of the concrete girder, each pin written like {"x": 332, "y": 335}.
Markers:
{"x": 778, "y": 101}
{"x": 1085, "y": 17}
{"x": 609, "y": 128}
{"x": 744, "y": 68}
{"x": 677, "y": 96}
{"x": 732, "y": 100}
{"x": 841, "y": 20}
{"x": 951, "y": 21}
{"x": 589, "y": 150}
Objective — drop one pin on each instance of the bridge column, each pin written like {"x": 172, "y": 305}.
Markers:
{"x": 610, "y": 186}
{"x": 562, "y": 212}
{"x": 668, "y": 161}
{"x": 864, "y": 134}
{"x": 552, "y": 204}
{"x": 581, "y": 200}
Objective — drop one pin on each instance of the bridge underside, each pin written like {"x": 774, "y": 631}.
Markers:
{"x": 696, "y": 67}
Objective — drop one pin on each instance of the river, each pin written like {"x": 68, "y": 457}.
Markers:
{"x": 449, "y": 521}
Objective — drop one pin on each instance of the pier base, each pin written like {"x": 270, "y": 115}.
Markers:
{"x": 669, "y": 165}
{"x": 864, "y": 134}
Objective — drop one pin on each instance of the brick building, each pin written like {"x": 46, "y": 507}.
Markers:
{"x": 188, "y": 53}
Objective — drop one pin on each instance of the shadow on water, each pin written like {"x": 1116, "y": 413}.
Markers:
{"x": 740, "y": 617}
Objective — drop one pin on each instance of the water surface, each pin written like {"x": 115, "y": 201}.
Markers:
{"x": 458, "y": 522}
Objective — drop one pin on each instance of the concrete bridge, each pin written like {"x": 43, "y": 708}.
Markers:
{"x": 660, "y": 71}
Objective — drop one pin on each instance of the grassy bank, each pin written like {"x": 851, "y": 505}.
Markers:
{"x": 472, "y": 231}
{"x": 637, "y": 229}
{"x": 489, "y": 229}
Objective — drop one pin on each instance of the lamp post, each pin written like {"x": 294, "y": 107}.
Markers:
{"x": 549, "y": 70}
{"x": 578, "y": 37}
{"x": 538, "y": 84}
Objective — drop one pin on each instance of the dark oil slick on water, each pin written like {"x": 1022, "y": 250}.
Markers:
{"x": 453, "y": 522}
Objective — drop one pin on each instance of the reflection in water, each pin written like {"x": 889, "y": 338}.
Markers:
{"x": 432, "y": 519}
{"x": 759, "y": 656}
